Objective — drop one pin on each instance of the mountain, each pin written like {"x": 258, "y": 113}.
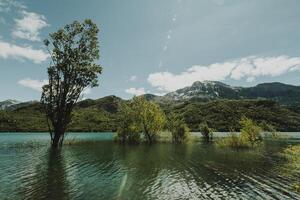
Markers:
{"x": 224, "y": 115}
{"x": 7, "y": 103}
{"x": 214, "y": 90}
{"x": 206, "y": 90}
{"x": 14, "y": 104}
{"x": 103, "y": 115}
{"x": 283, "y": 93}
{"x": 216, "y": 103}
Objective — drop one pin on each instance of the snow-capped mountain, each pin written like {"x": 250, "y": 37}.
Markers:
{"x": 7, "y": 103}
{"x": 12, "y": 104}
{"x": 205, "y": 90}
{"x": 212, "y": 90}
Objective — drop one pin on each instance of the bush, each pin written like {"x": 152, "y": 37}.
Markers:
{"x": 128, "y": 134}
{"x": 292, "y": 167}
{"x": 181, "y": 133}
{"x": 250, "y": 135}
{"x": 297, "y": 187}
{"x": 269, "y": 130}
{"x": 250, "y": 131}
{"x": 207, "y": 133}
{"x": 149, "y": 116}
{"x": 140, "y": 116}
{"x": 128, "y": 130}
{"x": 178, "y": 128}
{"x": 233, "y": 141}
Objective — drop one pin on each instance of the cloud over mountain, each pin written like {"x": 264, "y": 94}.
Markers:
{"x": 135, "y": 91}
{"x": 33, "y": 84}
{"x": 248, "y": 68}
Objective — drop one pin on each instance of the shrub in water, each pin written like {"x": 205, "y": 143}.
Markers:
{"x": 250, "y": 131}
{"x": 207, "y": 133}
{"x": 129, "y": 129}
{"x": 178, "y": 128}
{"x": 233, "y": 141}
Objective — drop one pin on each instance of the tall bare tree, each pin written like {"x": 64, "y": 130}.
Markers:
{"x": 74, "y": 51}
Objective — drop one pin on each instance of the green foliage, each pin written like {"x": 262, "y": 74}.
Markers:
{"x": 233, "y": 141}
{"x": 207, "y": 133}
{"x": 250, "y": 131}
{"x": 138, "y": 116}
{"x": 250, "y": 135}
{"x": 269, "y": 130}
{"x": 292, "y": 166}
{"x": 73, "y": 50}
{"x": 291, "y": 154}
{"x": 151, "y": 117}
{"x": 103, "y": 115}
{"x": 222, "y": 115}
{"x": 129, "y": 127}
{"x": 297, "y": 187}
{"x": 178, "y": 128}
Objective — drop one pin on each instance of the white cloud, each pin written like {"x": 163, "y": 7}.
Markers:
{"x": 133, "y": 78}
{"x": 248, "y": 68}
{"x": 29, "y": 26}
{"x": 264, "y": 66}
{"x": 9, "y": 5}
{"x": 135, "y": 91}
{"x": 159, "y": 93}
{"x": 250, "y": 79}
{"x": 33, "y": 84}
{"x": 38, "y": 85}
{"x": 8, "y": 50}
{"x": 86, "y": 91}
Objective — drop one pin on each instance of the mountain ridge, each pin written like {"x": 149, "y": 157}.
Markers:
{"x": 284, "y": 94}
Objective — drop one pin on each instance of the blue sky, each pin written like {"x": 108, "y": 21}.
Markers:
{"x": 155, "y": 46}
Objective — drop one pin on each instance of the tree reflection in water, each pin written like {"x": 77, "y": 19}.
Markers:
{"x": 49, "y": 180}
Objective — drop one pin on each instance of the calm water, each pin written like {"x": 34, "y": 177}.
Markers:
{"x": 104, "y": 170}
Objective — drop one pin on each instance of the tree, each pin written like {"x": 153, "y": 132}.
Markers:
{"x": 73, "y": 50}
{"x": 269, "y": 130}
{"x": 207, "y": 133}
{"x": 129, "y": 127}
{"x": 151, "y": 117}
{"x": 178, "y": 128}
{"x": 250, "y": 131}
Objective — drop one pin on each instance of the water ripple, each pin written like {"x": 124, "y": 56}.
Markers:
{"x": 109, "y": 171}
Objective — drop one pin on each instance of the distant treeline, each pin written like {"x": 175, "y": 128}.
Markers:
{"x": 104, "y": 115}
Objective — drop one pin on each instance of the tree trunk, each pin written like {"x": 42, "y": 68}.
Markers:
{"x": 56, "y": 142}
{"x": 149, "y": 138}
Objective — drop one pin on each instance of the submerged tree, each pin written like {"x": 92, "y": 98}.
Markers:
{"x": 178, "y": 128}
{"x": 140, "y": 116}
{"x": 250, "y": 131}
{"x": 207, "y": 133}
{"x": 129, "y": 128}
{"x": 73, "y": 50}
{"x": 150, "y": 116}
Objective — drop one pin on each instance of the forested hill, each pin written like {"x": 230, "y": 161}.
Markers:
{"x": 213, "y": 90}
{"x": 103, "y": 114}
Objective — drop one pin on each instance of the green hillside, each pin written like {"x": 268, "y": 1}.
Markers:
{"x": 103, "y": 114}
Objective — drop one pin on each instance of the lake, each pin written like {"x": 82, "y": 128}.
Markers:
{"x": 29, "y": 169}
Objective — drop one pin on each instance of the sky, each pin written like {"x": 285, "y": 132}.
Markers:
{"x": 155, "y": 46}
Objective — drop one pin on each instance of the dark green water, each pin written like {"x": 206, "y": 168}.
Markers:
{"x": 104, "y": 170}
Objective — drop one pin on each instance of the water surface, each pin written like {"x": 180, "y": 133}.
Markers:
{"x": 29, "y": 169}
